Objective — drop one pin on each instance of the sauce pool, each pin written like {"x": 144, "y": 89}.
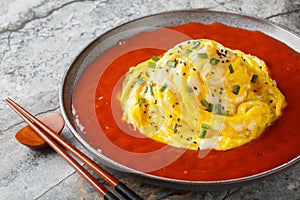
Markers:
{"x": 99, "y": 111}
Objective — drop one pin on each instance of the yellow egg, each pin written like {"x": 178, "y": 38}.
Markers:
{"x": 201, "y": 95}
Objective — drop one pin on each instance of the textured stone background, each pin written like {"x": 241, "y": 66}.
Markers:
{"x": 38, "y": 41}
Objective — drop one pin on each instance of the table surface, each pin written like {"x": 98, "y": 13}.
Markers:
{"x": 38, "y": 41}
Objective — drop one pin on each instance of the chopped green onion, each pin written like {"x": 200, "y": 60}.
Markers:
{"x": 188, "y": 51}
{"x": 163, "y": 87}
{"x": 205, "y": 126}
{"x": 254, "y": 78}
{"x": 227, "y": 113}
{"x": 236, "y": 89}
{"x": 202, "y": 55}
{"x": 175, "y": 127}
{"x": 210, "y": 107}
{"x": 189, "y": 89}
{"x": 140, "y": 81}
{"x": 230, "y": 68}
{"x": 202, "y": 133}
{"x": 195, "y": 44}
{"x": 151, "y": 65}
{"x": 214, "y": 61}
{"x": 146, "y": 89}
{"x": 155, "y": 58}
{"x": 151, "y": 88}
{"x": 204, "y": 102}
{"x": 171, "y": 63}
{"x": 142, "y": 100}
{"x": 218, "y": 109}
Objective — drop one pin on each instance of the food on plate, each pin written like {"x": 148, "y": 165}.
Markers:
{"x": 201, "y": 95}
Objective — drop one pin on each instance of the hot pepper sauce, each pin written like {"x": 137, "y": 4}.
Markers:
{"x": 99, "y": 112}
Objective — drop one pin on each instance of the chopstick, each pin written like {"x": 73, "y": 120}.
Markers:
{"x": 52, "y": 139}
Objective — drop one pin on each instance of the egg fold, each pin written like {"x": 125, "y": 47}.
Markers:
{"x": 201, "y": 95}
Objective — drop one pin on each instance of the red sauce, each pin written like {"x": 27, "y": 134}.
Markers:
{"x": 105, "y": 130}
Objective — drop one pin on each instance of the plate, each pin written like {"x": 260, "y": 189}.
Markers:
{"x": 147, "y": 24}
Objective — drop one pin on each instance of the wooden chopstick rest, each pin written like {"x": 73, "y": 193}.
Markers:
{"x": 27, "y": 136}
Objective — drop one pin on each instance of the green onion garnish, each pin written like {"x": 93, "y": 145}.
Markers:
{"x": 195, "y": 44}
{"x": 236, "y": 89}
{"x": 218, "y": 109}
{"x": 189, "y": 89}
{"x": 254, "y": 78}
{"x": 188, "y": 51}
{"x": 230, "y": 68}
{"x": 171, "y": 63}
{"x": 155, "y": 58}
{"x": 142, "y": 100}
{"x": 163, "y": 87}
{"x": 227, "y": 113}
{"x": 205, "y": 126}
{"x": 202, "y": 55}
{"x": 151, "y": 88}
{"x": 146, "y": 89}
{"x": 175, "y": 128}
{"x": 202, "y": 133}
{"x": 210, "y": 107}
{"x": 204, "y": 102}
{"x": 214, "y": 61}
{"x": 151, "y": 65}
{"x": 140, "y": 81}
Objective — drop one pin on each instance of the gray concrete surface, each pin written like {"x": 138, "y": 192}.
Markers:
{"x": 39, "y": 39}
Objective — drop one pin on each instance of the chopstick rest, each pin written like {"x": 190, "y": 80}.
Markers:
{"x": 28, "y": 137}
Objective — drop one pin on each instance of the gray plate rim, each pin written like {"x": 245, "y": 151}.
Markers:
{"x": 291, "y": 39}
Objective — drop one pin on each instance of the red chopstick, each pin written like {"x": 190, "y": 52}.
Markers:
{"x": 52, "y": 139}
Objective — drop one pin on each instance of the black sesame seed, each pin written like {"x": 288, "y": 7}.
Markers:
{"x": 195, "y": 88}
{"x": 271, "y": 101}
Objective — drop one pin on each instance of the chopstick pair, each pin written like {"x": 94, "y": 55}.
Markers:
{"x": 53, "y": 139}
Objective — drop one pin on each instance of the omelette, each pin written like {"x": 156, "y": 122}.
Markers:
{"x": 201, "y": 95}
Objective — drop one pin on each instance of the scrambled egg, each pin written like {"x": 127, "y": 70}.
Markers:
{"x": 201, "y": 95}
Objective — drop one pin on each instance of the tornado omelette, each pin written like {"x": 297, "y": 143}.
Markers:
{"x": 201, "y": 95}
